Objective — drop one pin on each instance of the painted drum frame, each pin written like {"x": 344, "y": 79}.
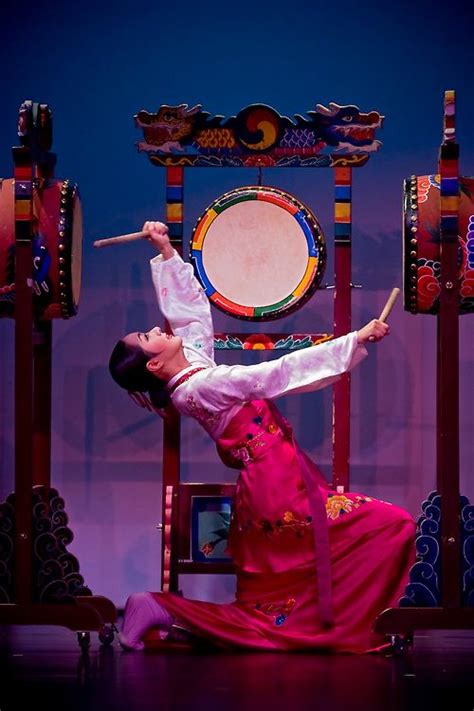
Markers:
{"x": 421, "y": 244}
{"x": 309, "y": 228}
{"x": 57, "y": 257}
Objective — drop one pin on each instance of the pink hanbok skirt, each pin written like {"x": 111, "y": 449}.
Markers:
{"x": 314, "y": 567}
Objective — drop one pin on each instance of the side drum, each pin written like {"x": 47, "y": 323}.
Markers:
{"x": 421, "y": 240}
{"x": 57, "y": 249}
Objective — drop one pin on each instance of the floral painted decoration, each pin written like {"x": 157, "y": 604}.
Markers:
{"x": 258, "y": 342}
{"x": 221, "y": 533}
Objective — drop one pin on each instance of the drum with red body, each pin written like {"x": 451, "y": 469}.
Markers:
{"x": 56, "y": 244}
{"x": 422, "y": 244}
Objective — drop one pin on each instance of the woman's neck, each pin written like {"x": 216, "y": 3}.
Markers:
{"x": 174, "y": 366}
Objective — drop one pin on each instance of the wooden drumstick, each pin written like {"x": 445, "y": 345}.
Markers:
{"x": 131, "y": 237}
{"x": 388, "y": 307}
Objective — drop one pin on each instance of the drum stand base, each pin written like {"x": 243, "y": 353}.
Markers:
{"x": 58, "y": 595}
{"x": 81, "y": 615}
{"x": 396, "y": 621}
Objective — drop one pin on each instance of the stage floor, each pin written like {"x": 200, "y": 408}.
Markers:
{"x": 43, "y": 668}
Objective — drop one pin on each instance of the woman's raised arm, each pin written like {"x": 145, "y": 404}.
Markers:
{"x": 181, "y": 299}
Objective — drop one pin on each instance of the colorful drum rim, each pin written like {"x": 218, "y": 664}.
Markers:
{"x": 315, "y": 252}
{"x": 421, "y": 244}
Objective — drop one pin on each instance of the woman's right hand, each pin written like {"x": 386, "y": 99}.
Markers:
{"x": 158, "y": 236}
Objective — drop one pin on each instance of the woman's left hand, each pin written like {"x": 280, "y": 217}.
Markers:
{"x": 375, "y": 330}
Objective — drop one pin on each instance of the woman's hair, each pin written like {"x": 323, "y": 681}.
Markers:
{"x": 127, "y": 366}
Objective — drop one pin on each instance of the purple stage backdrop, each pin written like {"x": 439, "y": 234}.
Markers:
{"x": 100, "y": 68}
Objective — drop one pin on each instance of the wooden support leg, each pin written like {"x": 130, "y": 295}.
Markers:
{"x": 342, "y": 324}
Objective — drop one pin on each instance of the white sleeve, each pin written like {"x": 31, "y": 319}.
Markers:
{"x": 184, "y": 304}
{"x": 305, "y": 370}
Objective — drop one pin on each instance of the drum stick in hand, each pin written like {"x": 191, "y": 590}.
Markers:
{"x": 120, "y": 239}
{"x": 388, "y": 307}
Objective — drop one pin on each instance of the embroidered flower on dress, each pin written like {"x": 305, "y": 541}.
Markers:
{"x": 201, "y": 414}
{"x": 245, "y": 451}
{"x": 278, "y": 611}
{"x": 288, "y": 521}
{"x": 265, "y": 525}
{"x": 337, "y": 504}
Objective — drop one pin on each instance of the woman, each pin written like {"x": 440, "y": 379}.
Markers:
{"x": 314, "y": 568}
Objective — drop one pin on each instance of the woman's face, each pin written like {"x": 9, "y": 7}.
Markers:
{"x": 155, "y": 343}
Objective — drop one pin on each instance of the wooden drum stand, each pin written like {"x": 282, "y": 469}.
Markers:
{"x": 440, "y": 594}
{"x": 40, "y": 583}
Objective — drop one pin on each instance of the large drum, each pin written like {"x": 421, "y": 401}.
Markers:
{"x": 258, "y": 252}
{"x": 422, "y": 244}
{"x": 57, "y": 249}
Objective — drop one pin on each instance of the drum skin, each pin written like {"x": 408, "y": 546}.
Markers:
{"x": 57, "y": 249}
{"x": 258, "y": 252}
{"x": 422, "y": 244}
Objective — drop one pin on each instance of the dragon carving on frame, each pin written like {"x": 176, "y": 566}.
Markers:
{"x": 258, "y": 135}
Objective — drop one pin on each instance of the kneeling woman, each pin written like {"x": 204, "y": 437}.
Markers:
{"x": 314, "y": 568}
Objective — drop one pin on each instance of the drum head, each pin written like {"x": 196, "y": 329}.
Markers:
{"x": 258, "y": 252}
